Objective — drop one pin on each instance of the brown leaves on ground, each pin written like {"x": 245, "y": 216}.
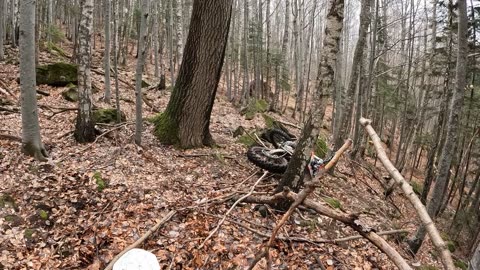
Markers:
{"x": 91, "y": 201}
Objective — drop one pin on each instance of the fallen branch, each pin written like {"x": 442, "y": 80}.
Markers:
{"x": 231, "y": 208}
{"x": 437, "y": 241}
{"x": 301, "y": 239}
{"x": 309, "y": 188}
{"x": 43, "y": 93}
{"x": 10, "y": 137}
{"x": 166, "y": 218}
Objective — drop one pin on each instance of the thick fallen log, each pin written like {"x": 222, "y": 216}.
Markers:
{"x": 410, "y": 194}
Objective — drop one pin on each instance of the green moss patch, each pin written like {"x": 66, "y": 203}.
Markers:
{"x": 333, "y": 203}
{"x": 417, "y": 188}
{"x": 57, "y": 74}
{"x": 101, "y": 183}
{"x": 166, "y": 129}
{"x": 107, "y": 116}
{"x": 255, "y": 106}
{"x": 461, "y": 264}
{"x": 321, "y": 147}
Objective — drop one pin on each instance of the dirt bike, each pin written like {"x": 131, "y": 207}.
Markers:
{"x": 275, "y": 160}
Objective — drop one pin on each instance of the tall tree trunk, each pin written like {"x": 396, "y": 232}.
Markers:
{"x": 31, "y": 140}
{"x": 107, "y": 51}
{"x": 283, "y": 63}
{"x": 2, "y": 28}
{"x": 452, "y": 125}
{"x": 84, "y": 129}
{"x": 115, "y": 58}
{"x": 347, "y": 101}
{"x": 246, "y": 81}
{"x": 142, "y": 38}
{"x": 179, "y": 32}
{"x": 186, "y": 119}
{"x": 293, "y": 177}
{"x": 169, "y": 25}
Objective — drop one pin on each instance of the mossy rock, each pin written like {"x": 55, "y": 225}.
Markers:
{"x": 7, "y": 201}
{"x": 255, "y": 106}
{"x": 247, "y": 139}
{"x": 54, "y": 49}
{"x": 107, "y": 116}
{"x": 57, "y": 74}
{"x": 334, "y": 203}
{"x": 417, "y": 188}
{"x": 460, "y": 264}
{"x": 71, "y": 94}
{"x": 166, "y": 129}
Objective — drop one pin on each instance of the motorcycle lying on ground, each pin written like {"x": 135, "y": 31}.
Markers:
{"x": 275, "y": 159}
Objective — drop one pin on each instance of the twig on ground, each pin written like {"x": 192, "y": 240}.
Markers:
{"x": 166, "y": 218}
{"x": 231, "y": 208}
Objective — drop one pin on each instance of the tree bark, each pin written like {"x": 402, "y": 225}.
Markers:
{"x": 107, "y": 51}
{"x": 186, "y": 119}
{"x": 142, "y": 39}
{"x": 475, "y": 261}
{"x": 452, "y": 125}
{"x": 345, "y": 117}
{"x": 31, "y": 140}
{"x": 84, "y": 129}
{"x": 2, "y": 28}
{"x": 293, "y": 177}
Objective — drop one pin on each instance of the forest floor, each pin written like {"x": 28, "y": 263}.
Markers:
{"x": 60, "y": 219}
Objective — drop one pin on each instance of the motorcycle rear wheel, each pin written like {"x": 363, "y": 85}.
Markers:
{"x": 261, "y": 157}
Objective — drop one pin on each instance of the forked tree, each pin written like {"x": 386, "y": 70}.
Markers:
{"x": 186, "y": 119}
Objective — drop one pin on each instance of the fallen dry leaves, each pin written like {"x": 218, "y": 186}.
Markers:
{"x": 61, "y": 220}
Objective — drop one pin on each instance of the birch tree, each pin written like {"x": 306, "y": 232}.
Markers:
{"x": 31, "y": 140}
{"x": 85, "y": 126}
{"x": 293, "y": 177}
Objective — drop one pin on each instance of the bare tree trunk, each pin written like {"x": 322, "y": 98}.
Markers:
{"x": 293, "y": 177}
{"x": 142, "y": 38}
{"x": 452, "y": 124}
{"x": 156, "y": 8}
{"x": 179, "y": 32}
{"x": 84, "y": 129}
{"x": 246, "y": 81}
{"x": 107, "y": 51}
{"x": 283, "y": 70}
{"x": 2, "y": 28}
{"x": 186, "y": 120}
{"x": 169, "y": 25}
{"x": 347, "y": 101}
{"x": 31, "y": 139}
{"x": 115, "y": 58}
